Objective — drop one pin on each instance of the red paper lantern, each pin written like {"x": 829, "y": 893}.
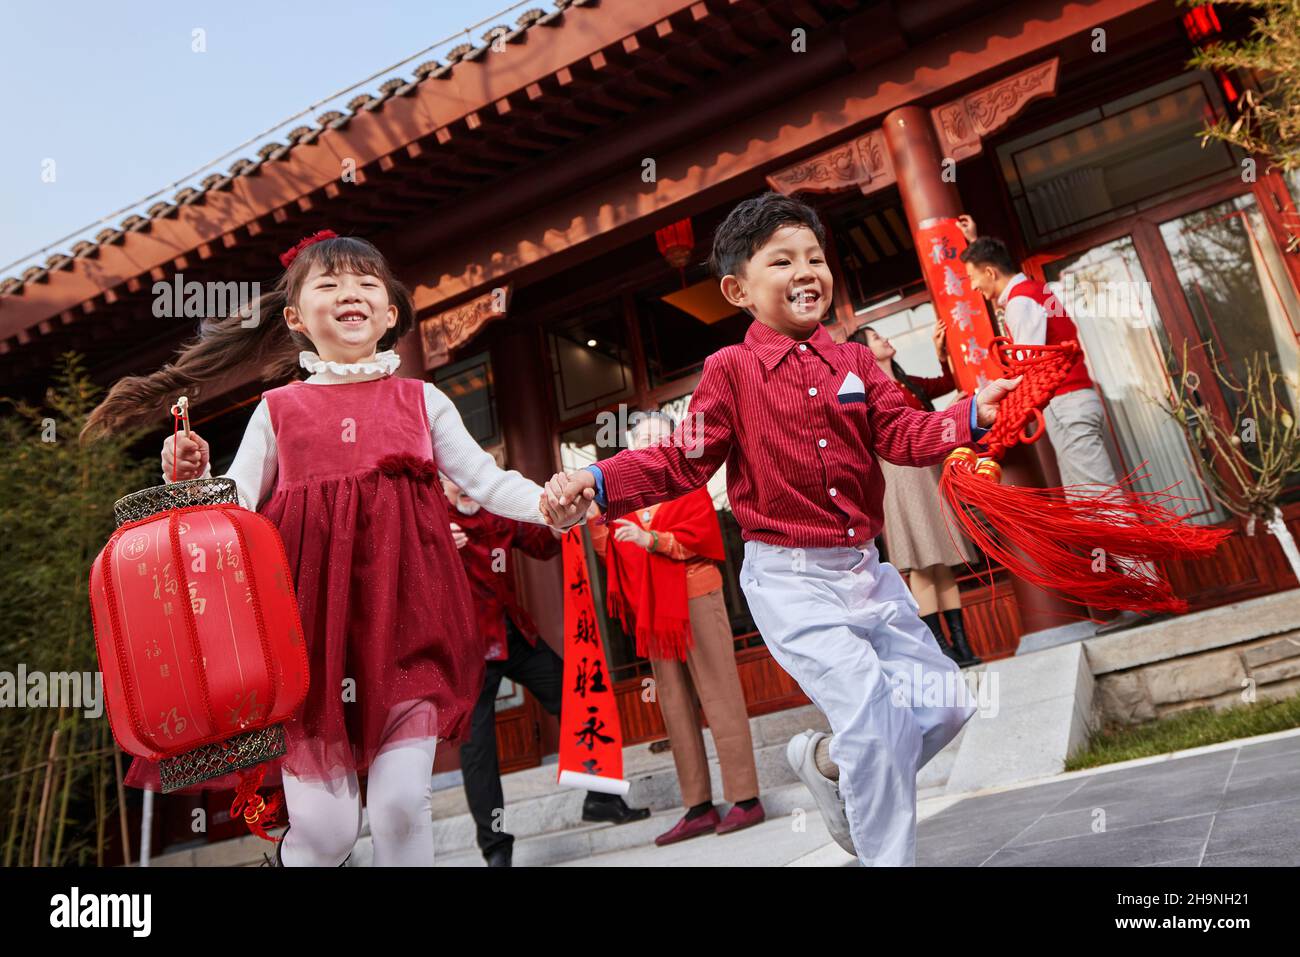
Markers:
{"x": 676, "y": 242}
{"x": 198, "y": 635}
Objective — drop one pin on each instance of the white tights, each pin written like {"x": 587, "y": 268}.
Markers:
{"x": 325, "y": 816}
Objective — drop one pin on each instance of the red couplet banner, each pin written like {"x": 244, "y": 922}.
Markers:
{"x": 939, "y": 242}
{"x": 591, "y": 739}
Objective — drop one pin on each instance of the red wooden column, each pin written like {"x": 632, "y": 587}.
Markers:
{"x": 519, "y": 369}
{"x": 918, "y": 166}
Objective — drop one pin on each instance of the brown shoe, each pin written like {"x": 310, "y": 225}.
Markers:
{"x": 683, "y": 830}
{"x": 738, "y": 818}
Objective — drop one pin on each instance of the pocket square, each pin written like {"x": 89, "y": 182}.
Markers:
{"x": 852, "y": 389}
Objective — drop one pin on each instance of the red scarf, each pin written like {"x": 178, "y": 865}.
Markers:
{"x": 654, "y": 606}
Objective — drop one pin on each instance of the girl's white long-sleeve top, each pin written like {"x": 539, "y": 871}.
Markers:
{"x": 459, "y": 457}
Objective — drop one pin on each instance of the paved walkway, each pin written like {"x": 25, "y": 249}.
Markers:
{"x": 1234, "y": 804}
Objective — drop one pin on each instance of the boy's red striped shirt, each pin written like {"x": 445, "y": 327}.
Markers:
{"x": 799, "y": 426}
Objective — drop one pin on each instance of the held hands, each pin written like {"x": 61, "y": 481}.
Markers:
{"x": 567, "y": 497}
{"x": 189, "y": 453}
{"x": 967, "y": 227}
{"x": 987, "y": 399}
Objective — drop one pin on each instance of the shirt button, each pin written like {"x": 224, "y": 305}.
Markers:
{"x": 851, "y": 533}
{"x": 834, "y": 493}
{"x": 803, "y": 347}
{"x": 812, "y": 391}
{"x": 821, "y": 443}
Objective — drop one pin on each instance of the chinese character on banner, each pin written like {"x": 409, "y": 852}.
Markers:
{"x": 591, "y": 739}
{"x": 956, "y": 304}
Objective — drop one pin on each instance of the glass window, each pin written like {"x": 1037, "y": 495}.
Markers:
{"x": 1106, "y": 292}
{"x": 877, "y": 263}
{"x": 590, "y": 359}
{"x": 1113, "y": 160}
{"x": 469, "y": 386}
{"x": 681, "y": 326}
{"x": 1237, "y": 287}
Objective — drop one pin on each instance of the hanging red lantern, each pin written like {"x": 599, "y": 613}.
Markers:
{"x": 199, "y": 638}
{"x": 675, "y": 243}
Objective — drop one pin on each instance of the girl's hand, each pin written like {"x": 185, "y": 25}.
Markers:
{"x": 967, "y": 227}
{"x": 188, "y": 453}
{"x": 629, "y": 531}
{"x": 458, "y": 536}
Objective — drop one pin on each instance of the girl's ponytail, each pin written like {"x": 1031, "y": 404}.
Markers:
{"x": 221, "y": 345}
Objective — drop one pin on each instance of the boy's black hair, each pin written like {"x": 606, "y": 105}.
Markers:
{"x": 990, "y": 251}
{"x": 752, "y": 223}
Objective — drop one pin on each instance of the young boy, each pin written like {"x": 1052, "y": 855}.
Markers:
{"x": 799, "y": 421}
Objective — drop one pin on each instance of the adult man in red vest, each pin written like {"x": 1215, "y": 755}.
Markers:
{"x": 1074, "y": 416}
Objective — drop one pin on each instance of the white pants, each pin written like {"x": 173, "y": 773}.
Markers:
{"x": 844, "y": 626}
{"x": 325, "y": 816}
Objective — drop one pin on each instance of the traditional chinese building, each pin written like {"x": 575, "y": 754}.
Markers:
{"x": 550, "y": 195}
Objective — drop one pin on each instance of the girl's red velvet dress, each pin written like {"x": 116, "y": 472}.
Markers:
{"x": 385, "y": 605}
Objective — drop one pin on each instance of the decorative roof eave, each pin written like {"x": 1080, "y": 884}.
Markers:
{"x": 253, "y": 188}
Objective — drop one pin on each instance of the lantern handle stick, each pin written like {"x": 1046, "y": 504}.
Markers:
{"x": 182, "y": 408}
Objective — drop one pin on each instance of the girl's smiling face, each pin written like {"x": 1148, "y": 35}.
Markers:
{"x": 786, "y": 284}
{"x": 343, "y": 314}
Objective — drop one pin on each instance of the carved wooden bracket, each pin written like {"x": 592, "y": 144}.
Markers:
{"x": 863, "y": 162}
{"x": 959, "y": 125}
{"x": 452, "y": 328}
{"x": 962, "y": 124}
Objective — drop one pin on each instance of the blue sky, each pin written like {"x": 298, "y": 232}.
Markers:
{"x": 114, "y": 94}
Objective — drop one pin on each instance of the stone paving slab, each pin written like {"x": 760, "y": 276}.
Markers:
{"x": 1239, "y": 805}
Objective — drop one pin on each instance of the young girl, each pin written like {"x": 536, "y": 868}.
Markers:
{"x": 345, "y": 464}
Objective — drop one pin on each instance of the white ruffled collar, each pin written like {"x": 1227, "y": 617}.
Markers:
{"x": 326, "y": 370}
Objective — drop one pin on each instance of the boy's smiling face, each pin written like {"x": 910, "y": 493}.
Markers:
{"x": 786, "y": 284}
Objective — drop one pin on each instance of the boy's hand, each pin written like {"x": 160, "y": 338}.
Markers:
{"x": 987, "y": 399}
{"x": 189, "y": 453}
{"x": 967, "y": 227}
{"x": 567, "y": 497}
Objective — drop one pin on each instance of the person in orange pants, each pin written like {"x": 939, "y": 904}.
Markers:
{"x": 663, "y": 584}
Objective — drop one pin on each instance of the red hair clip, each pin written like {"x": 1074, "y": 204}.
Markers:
{"x": 286, "y": 259}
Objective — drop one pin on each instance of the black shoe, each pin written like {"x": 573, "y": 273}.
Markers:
{"x": 611, "y": 808}
{"x": 500, "y": 856}
{"x": 932, "y": 622}
{"x": 958, "y": 631}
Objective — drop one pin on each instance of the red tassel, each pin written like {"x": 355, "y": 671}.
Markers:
{"x": 1095, "y": 550}
{"x": 258, "y": 813}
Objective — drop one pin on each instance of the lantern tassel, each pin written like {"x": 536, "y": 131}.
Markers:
{"x": 257, "y": 812}
{"x": 1095, "y": 550}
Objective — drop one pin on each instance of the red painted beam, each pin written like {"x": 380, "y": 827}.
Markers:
{"x": 733, "y": 161}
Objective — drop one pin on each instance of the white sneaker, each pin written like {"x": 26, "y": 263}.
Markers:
{"x": 801, "y": 752}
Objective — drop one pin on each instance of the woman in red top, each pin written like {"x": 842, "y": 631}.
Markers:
{"x": 918, "y": 538}
{"x": 663, "y": 584}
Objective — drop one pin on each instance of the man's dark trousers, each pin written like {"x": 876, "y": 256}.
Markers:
{"x": 541, "y": 671}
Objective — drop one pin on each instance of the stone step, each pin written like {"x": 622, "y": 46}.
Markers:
{"x": 546, "y": 819}
{"x": 536, "y": 805}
